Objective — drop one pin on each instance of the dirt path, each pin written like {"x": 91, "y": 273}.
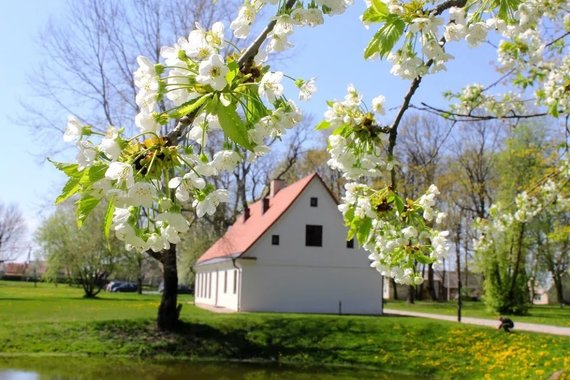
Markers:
{"x": 534, "y": 327}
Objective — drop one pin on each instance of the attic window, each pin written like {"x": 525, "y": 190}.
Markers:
{"x": 274, "y": 239}
{"x": 350, "y": 243}
{"x": 313, "y": 236}
{"x": 314, "y": 202}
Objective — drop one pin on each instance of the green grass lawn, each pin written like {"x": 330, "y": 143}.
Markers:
{"x": 50, "y": 320}
{"x": 545, "y": 314}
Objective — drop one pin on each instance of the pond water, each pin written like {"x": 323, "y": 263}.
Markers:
{"x": 61, "y": 368}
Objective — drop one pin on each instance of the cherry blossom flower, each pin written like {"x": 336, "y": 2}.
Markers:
{"x": 213, "y": 72}
{"x": 142, "y": 194}
{"x": 120, "y": 172}
{"x": 208, "y": 205}
{"x": 270, "y": 85}
{"x": 74, "y": 129}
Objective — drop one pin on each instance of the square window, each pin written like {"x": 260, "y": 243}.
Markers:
{"x": 313, "y": 236}
{"x": 314, "y": 202}
{"x": 350, "y": 243}
{"x": 274, "y": 239}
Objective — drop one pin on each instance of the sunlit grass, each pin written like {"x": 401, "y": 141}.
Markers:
{"x": 544, "y": 314}
{"x": 58, "y": 320}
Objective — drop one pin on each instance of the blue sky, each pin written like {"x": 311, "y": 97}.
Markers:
{"x": 332, "y": 53}
{"x": 24, "y": 182}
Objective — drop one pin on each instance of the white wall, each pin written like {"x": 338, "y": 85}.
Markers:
{"x": 295, "y": 278}
{"x": 215, "y": 285}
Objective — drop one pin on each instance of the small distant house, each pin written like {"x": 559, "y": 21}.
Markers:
{"x": 548, "y": 295}
{"x": 22, "y": 271}
{"x": 288, "y": 253}
{"x": 445, "y": 286}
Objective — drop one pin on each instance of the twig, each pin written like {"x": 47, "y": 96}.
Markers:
{"x": 394, "y": 128}
{"x": 252, "y": 50}
{"x": 448, "y": 4}
{"x": 469, "y": 117}
{"x": 245, "y": 59}
{"x": 414, "y": 87}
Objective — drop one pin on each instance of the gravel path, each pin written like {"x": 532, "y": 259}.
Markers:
{"x": 534, "y": 327}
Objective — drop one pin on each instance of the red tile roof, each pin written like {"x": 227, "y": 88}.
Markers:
{"x": 242, "y": 235}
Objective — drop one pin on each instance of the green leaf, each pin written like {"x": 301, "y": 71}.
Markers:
{"x": 386, "y": 37}
{"x": 423, "y": 259}
{"x": 380, "y": 7}
{"x": 108, "y": 220}
{"x": 69, "y": 169}
{"x": 376, "y": 13}
{"x": 255, "y": 109}
{"x": 73, "y": 184}
{"x": 84, "y": 207}
{"x": 400, "y": 206}
{"x": 233, "y": 70}
{"x": 93, "y": 174}
{"x": 232, "y": 124}
{"x": 364, "y": 230}
{"x": 189, "y": 107}
{"x": 71, "y": 188}
{"x": 373, "y": 47}
{"x": 322, "y": 125}
{"x": 507, "y": 9}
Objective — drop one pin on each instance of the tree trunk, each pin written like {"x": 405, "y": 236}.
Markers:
{"x": 431, "y": 284}
{"x": 518, "y": 260}
{"x": 139, "y": 284}
{"x": 458, "y": 269}
{"x": 411, "y": 294}
{"x": 394, "y": 288}
{"x": 559, "y": 290}
{"x": 169, "y": 309}
{"x": 444, "y": 285}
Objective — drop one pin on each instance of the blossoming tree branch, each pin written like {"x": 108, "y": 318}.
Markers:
{"x": 206, "y": 86}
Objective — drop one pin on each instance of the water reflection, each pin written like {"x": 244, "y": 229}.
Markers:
{"x": 137, "y": 369}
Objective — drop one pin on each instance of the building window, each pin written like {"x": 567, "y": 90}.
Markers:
{"x": 199, "y": 281}
{"x": 313, "y": 236}
{"x": 314, "y": 202}
{"x": 350, "y": 243}
{"x": 274, "y": 239}
{"x": 235, "y": 280}
{"x": 209, "y": 285}
{"x": 197, "y": 285}
{"x": 225, "y": 281}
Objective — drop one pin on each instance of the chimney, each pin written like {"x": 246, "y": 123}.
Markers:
{"x": 246, "y": 214}
{"x": 265, "y": 205}
{"x": 276, "y": 185}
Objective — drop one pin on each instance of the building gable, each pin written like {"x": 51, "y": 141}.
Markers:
{"x": 248, "y": 229}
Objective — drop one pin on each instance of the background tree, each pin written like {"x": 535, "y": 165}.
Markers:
{"x": 12, "y": 232}
{"x": 522, "y": 162}
{"x": 90, "y": 57}
{"x": 83, "y": 254}
{"x": 421, "y": 143}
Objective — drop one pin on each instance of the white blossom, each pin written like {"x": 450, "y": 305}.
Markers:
{"x": 213, "y": 72}
{"x": 210, "y": 202}
{"x": 120, "y": 172}
{"x": 142, "y": 194}
{"x": 74, "y": 129}
{"x": 270, "y": 85}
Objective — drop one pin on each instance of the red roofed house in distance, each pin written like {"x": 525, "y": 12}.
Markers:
{"x": 288, "y": 253}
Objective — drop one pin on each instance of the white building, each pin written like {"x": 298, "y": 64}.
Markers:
{"x": 288, "y": 253}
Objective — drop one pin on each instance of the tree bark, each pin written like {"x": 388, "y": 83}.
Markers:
{"x": 517, "y": 261}
{"x": 559, "y": 289}
{"x": 411, "y": 294}
{"x": 169, "y": 309}
{"x": 431, "y": 284}
{"x": 394, "y": 288}
{"x": 458, "y": 269}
